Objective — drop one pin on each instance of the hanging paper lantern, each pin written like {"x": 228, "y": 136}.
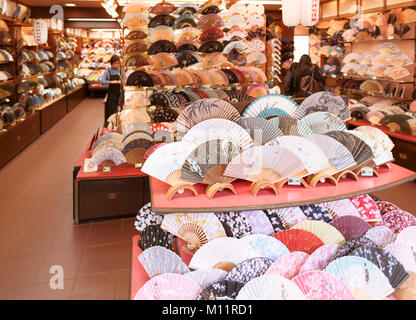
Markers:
{"x": 309, "y": 12}
{"x": 40, "y": 31}
{"x": 291, "y": 12}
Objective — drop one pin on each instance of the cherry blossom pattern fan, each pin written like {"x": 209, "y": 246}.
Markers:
{"x": 381, "y": 236}
{"x": 165, "y": 164}
{"x": 261, "y": 130}
{"x": 405, "y": 253}
{"x": 323, "y": 230}
{"x": 323, "y": 122}
{"x": 153, "y": 235}
{"x": 397, "y": 220}
{"x": 367, "y": 208}
{"x": 340, "y": 208}
{"x": 263, "y": 170}
{"x": 221, "y": 290}
{"x": 249, "y": 269}
{"x": 316, "y": 212}
{"x": 195, "y": 228}
{"x": 169, "y": 286}
{"x": 351, "y": 226}
{"x": 365, "y": 280}
{"x": 266, "y": 246}
{"x": 407, "y": 235}
{"x": 320, "y": 258}
{"x": 351, "y": 244}
{"x": 206, "y": 277}
{"x": 146, "y": 217}
{"x": 271, "y": 105}
{"x": 324, "y": 101}
{"x": 289, "y": 216}
{"x": 289, "y": 265}
{"x": 255, "y": 45}
{"x": 299, "y": 240}
{"x": 270, "y": 287}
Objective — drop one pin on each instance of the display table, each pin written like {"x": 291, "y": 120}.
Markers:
{"x": 289, "y": 196}
{"x": 51, "y": 113}
{"x": 75, "y": 97}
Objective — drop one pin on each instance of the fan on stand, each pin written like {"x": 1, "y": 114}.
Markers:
{"x": 272, "y": 105}
{"x": 323, "y": 122}
{"x": 291, "y": 126}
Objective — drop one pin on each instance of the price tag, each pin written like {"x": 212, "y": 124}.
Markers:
{"x": 90, "y": 166}
{"x": 367, "y": 172}
{"x": 390, "y": 37}
{"x": 293, "y": 181}
{"x": 106, "y": 169}
{"x": 138, "y": 165}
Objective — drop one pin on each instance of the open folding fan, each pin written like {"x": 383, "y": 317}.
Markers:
{"x": 136, "y": 60}
{"x": 378, "y": 134}
{"x": 191, "y": 45}
{"x": 264, "y": 166}
{"x": 399, "y": 60}
{"x": 235, "y": 20}
{"x": 288, "y": 265}
{"x": 161, "y": 20}
{"x": 261, "y": 130}
{"x": 162, "y": 46}
{"x": 291, "y": 126}
{"x": 323, "y": 122}
{"x": 211, "y": 46}
{"x": 396, "y": 73}
{"x": 135, "y": 7}
{"x": 299, "y": 240}
{"x": 386, "y": 262}
{"x": 398, "y": 220}
{"x": 324, "y": 101}
{"x": 372, "y": 86}
{"x": 195, "y": 228}
{"x": 323, "y": 230}
{"x": 159, "y": 260}
{"x": 186, "y": 8}
{"x": 205, "y": 109}
{"x": 211, "y": 34}
{"x": 140, "y": 78}
{"x": 138, "y": 46}
{"x": 249, "y": 269}
{"x": 212, "y": 60}
{"x": 257, "y": 90}
{"x": 254, "y": 20}
{"x": 365, "y": 280}
{"x": 386, "y": 48}
{"x": 320, "y": 258}
{"x": 256, "y": 58}
{"x": 169, "y": 286}
{"x": 221, "y": 290}
{"x": 135, "y": 21}
{"x": 135, "y": 149}
{"x": 108, "y": 157}
{"x": 160, "y": 33}
{"x": 187, "y": 58}
{"x": 407, "y": 235}
{"x": 272, "y": 105}
{"x": 186, "y": 20}
{"x": 210, "y": 21}
{"x": 239, "y": 46}
{"x": 163, "y": 8}
{"x": 235, "y": 34}
{"x": 404, "y": 252}
{"x": 206, "y": 277}
{"x": 266, "y": 246}
{"x": 210, "y": 8}
{"x": 255, "y": 45}
{"x": 164, "y": 60}
{"x": 351, "y": 244}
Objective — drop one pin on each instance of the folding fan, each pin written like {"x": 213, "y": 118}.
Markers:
{"x": 299, "y": 240}
{"x": 163, "y": 8}
{"x": 235, "y": 34}
{"x": 117, "y": 137}
{"x": 191, "y": 45}
{"x": 135, "y": 7}
{"x": 140, "y": 78}
{"x": 266, "y": 246}
{"x": 249, "y": 269}
{"x": 399, "y": 60}
{"x": 323, "y": 122}
{"x": 159, "y": 260}
{"x": 256, "y": 58}
{"x": 235, "y": 224}
{"x": 258, "y": 90}
{"x": 206, "y": 277}
{"x": 380, "y": 235}
{"x": 214, "y": 253}
{"x": 210, "y": 10}
{"x": 387, "y": 263}
{"x": 321, "y": 285}
{"x": 220, "y": 78}
{"x": 385, "y": 206}
{"x": 320, "y": 258}
{"x": 108, "y": 157}
{"x": 211, "y": 34}
{"x": 135, "y": 149}
{"x": 366, "y": 207}
{"x": 405, "y": 253}
{"x": 152, "y": 236}
{"x": 407, "y": 16}
{"x": 364, "y": 279}
{"x": 146, "y": 217}
{"x": 135, "y": 21}
{"x": 407, "y": 235}
{"x": 162, "y": 46}
{"x": 103, "y": 145}
{"x": 324, "y": 231}
{"x": 283, "y": 105}
{"x": 169, "y": 286}
{"x": 353, "y": 243}
{"x": 353, "y": 58}
{"x": 195, "y": 228}
{"x": 386, "y": 48}
{"x": 261, "y": 130}
{"x": 211, "y": 46}
{"x": 396, "y": 72}
{"x": 205, "y": 109}
{"x": 185, "y": 21}
{"x": 239, "y": 46}
{"x": 212, "y": 60}
{"x": 187, "y": 58}
{"x": 372, "y": 86}
{"x": 289, "y": 216}
{"x": 270, "y": 287}
{"x": 138, "y": 46}
{"x": 318, "y": 213}
{"x": 160, "y": 33}
{"x": 323, "y": 101}
{"x": 350, "y": 68}
{"x": 221, "y": 290}
{"x": 136, "y": 136}
{"x": 351, "y": 226}
{"x": 210, "y": 21}
{"x": 255, "y": 45}
{"x": 254, "y": 20}
{"x": 162, "y": 20}
{"x": 186, "y": 8}
{"x": 398, "y": 220}
{"x": 289, "y": 265}
{"x": 377, "y": 133}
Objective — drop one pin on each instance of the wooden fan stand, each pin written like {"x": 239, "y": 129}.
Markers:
{"x": 211, "y": 190}
{"x": 255, "y": 187}
{"x": 281, "y": 183}
{"x": 180, "y": 188}
{"x": 345, "y": 174}
{"x": 314, "y": 179}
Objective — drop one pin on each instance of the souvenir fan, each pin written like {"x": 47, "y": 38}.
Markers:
{"x": 349, "y": 68}
{"x": 324, "y": 101}
{"x": 324, "y": 231}
{"x": 270, "y": 287}
{"x": 351, "y": 244}
{"x": 318, "y": 213}
{"x": 256, "y": 34}
{"x": 162, "y": 20}
{"x": 220, "y": 78}
{"x": 164, "y": 60}
{"x": 237, "y": 58}
{"x": 365, "y": 280}
{"x": 187, "y": 58}
{"x": 235, "y": 34}
{"x": 210, "y": 10}
{"x": 271, "y": 105}
{"x": 258, "y": 90}
{"x": 397, "y": 220}
{"x": 351, "y": 226}
{"x": 185, "y": 21}
{"x": 161, "y": 135}
{"x": 184, "y": 45}
{"x": 157, "y": 78}
{"x": 210, "y": 21}
{"x": 137, "y": 126}
{"x": 323, "y": 122}
{"x": 380, "y": 235}
{"x": 195, "y": 228}
{"x": 135, "y": 21}
{"x": 146, "y": 217}
{"x": 237, "y": 8}
{"x": 140, "y": 78}
{"x": 387, "y": 263}
{"x": 397, "y": 122}
{"x": 256, "y": 58}
{"x": 256, "y": 165}
{"x": 320, "y": 258}
{"x": 396, "y": 72}
{"x": 289, "y": 216}
{"x": 399, "y": 60}
{"x": 136, "y": 60}
{"x": 372, "y": 86}
{"x": 288, "y": 265}
{"x": 186, "y": 8}
{"x": 266, "y": 246}
{"x": 211, "y": 34}
{"x": 254, "y": 20}
{"x": 405, "y": 253}
{"x": 160, "y": 33}
{"x": 249, "y": 269}
{"x": 386, "y": 48}
{"x": 239, "y": 46}
{"x": 407, "y": 16}
{"x": 221, "y": 253}
{"x": 187, "y": 33}
{"x": 158, "y": 260}
{"x": 206, "y": 277}
{"x": 135, "y": 149}
{"x": 135, "y": 7}
{"x": 108, "y": 157}
{"x": 235, "y": 224}
{"x": 221, "y": 290}
{"x": 255, "y": 45}
{"x": 152, "y": 236}
{"x": 169, "y": 77}
{"x": 136, "y": 35}
{"x": 261, "y": 130}
{"x": 401, "y": 29}
{"x": 117, "y": 137}
{"x": 385, "y": 206}
{"x": 182, "y": 77}
{"x": 213, "y": 60}
{"x": 407, "y": 235}
{"x": 353, "y": 58}
{"x": 163, "y": 8}
{"x": 299, "y": 240}
{"x": 259, "y": 222}
{"x": 164, "y": 115}
{"x": 169, "y": 286}
{"x": 162, "y": 46}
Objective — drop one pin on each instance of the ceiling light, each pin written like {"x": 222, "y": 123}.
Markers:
{"x": 70, "y": 5}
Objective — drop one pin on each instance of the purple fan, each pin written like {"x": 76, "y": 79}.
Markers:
{"x": 351, "y": 226}
{"x": 235, "y": 224}
{"x": 249, "y": 269}
{"x": 350, "y": 245}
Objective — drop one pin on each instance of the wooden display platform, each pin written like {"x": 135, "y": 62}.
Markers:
{"x": 75, "y": 97}
{"x": 289, "y": 196}
{"x": 51, "y": 113}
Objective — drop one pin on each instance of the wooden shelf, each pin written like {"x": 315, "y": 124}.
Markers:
{"x": 379, "y": 95}
{"x": 369, "y": 78}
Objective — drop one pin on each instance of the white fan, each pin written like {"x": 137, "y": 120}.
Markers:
{"x": 271, "y": 105}
{"x": 270, "y": 287}
{"x": 137, "y": 126}
{"x": 266, "y": 246}
{"x": 405, "y": 253}
{"x": 206, "y": 277}
{"x": 323, "y": 122}
{"x": 377, "y": 133}
{"x": 289, "y": 265}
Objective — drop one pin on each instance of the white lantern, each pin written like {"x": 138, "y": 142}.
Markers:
{"x": 291, "y": 12}
{"x": 40, "y": 31}
{"x": 310, "y": 12}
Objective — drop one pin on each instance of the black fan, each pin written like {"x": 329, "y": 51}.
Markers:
{"x": 161, "y": 20}
{"x": 210, "y": 9}
{"x": 231, "y": 76}
{"x": 159, "y": 99}
{"x": 187, "y": 47}
{"x": 164, "y": 115}
{"x": 186, "y": 58}
{"x": 237, "y": 58}
{"x": 140, "y": 78}
{"x": 152, "y": 236}
{"x": 136, "y": 35}
{"x": 211, "y": 46}
{"x": 162, "y": 46}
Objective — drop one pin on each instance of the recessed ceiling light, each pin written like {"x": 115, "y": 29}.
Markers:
{"x": 70, "y": 5}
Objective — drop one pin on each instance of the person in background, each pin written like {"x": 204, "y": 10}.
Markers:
{"x": 289, "y": 81}
{"x": 309, "y": 75}
{"x": 112, "y": 77}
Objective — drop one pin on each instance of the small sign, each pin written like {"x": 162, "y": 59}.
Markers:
{"x": 138, "y": 165}
{"x": 367, "y": 172}
{"x": 293, "y": 181}
{"x": 107, "y": 169}
{"x": 90, "y": 166}
{"x": 390, "y": 37}
{"x": 40, "y": 31}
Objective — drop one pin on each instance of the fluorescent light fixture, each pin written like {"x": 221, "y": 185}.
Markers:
{"x": 70, "y": 5}
{"x": 91, "y": 19}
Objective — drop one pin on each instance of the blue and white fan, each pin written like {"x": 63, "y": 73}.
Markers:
{"x": 271, "y": 105}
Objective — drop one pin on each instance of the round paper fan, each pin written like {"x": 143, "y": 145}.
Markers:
{"x": 324, "y": 231}
{"x": 210, "y": 21}
{"x": 299, "y": 240}
{"x": 195, "y": 228}
{"x": 365, "y": 280}
{"x": 387, "y": 263}
{"x": 323, "y": 101}
{"x": 320, "y": 258}
{"x": 351, "y": 226}
{"x": 160, "y": 33}
{"x": 169, "y": 286}
{"x": 407, "y": 235}
{"x": 258, "y": 90}
{"x": 159, "y": 260}
{"x": 206, "y": 277}
{"x": 405, "y": 253}
{"x": 289, "y": 265}
{"x": 249, "y": 269}
{"x": 271, "y": 101}
{"x": 261, "y": 130}
{"x": 266, "y": 246}
{"x": 221, "y": 290}
{"x": 270, "y": 287}
{"x": 215, "y": 253}
{"x": 323, "y": 122}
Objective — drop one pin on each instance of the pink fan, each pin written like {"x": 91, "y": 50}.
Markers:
{"x": 320, "y": 258}
{"x": 288, "y": 266}
{"x": 398, "y": 220}
{"x": 407, "y": 235}
{"x": 351, "y": 226}
{"x": 367, "y": 208}
{"x": 405, "y": 253}
{"x": 254, "y": 20}
{"x": 339, "y": 208}
{"x": 321, "y": 285}
{"x": 169, "y": 286}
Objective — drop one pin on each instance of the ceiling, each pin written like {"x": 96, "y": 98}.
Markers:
{"x": 47, "y": 3}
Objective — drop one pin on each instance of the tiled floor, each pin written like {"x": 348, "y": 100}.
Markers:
{"x": 36, "y": 226}
{"x": 37, "y": 230}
